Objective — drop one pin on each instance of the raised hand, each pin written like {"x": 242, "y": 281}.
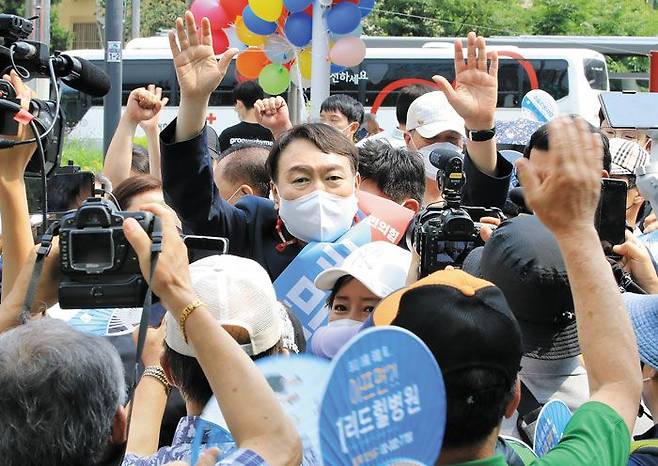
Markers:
{"x": 199, "y": 72}
{"x": 272, "y": 113}
{"x": 144, "y": 106}
{"x": 475, "y": 94}
{"x": 564, "y": 194}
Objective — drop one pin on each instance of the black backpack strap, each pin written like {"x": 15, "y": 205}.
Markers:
{"x": 529, "y": 409}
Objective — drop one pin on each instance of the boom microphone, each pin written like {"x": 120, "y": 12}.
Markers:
{"x": 80, "y": 74}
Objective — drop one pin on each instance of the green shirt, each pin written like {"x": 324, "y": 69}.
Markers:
{"x": 595, "y": 435}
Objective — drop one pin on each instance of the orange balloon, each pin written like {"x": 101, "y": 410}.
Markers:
{"x": 251, "y": 61}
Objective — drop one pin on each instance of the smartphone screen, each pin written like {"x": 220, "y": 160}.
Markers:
{"x": 199, "y": 247}
{"x": 625, "y": 110}
{"x": 611, "y": 214}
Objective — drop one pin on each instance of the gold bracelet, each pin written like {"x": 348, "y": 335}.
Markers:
{"x": 186, "y": 313}
{"x": 158, "y": 374}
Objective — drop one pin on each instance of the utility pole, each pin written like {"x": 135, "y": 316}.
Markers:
{"x": 320, "y": 67}
{"x": 136, "y": 19}
{"x": 113, "y": 67}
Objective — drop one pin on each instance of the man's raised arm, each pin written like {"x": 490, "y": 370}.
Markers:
{"x": 573, "y": 182}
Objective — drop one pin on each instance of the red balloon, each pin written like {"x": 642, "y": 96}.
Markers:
{"x": 219, "y": 41}
{"x": 233, "y": 8}
{"x": 212, "y": 10}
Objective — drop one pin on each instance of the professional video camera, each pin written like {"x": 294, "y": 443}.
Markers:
{"x": 32, "y": 59}
{"x": 445, "y": 233}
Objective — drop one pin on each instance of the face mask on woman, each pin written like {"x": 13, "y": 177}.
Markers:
{"x": 328, "y": 340}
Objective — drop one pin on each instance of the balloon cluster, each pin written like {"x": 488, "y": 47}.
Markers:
{"x": 274, "y": 35}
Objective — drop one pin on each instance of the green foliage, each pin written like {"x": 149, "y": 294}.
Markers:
{"x": 87, "y": 156}
{"x": 511, "y": 17}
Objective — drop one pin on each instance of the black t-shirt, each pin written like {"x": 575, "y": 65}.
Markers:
{"x": 245, "y": 132}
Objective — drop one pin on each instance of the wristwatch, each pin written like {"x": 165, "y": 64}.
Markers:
{"x": 481, "y": 135}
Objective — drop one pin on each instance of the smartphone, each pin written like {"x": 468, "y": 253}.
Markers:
{"x": 199, "y": 247}
{"x": 64, "y": 188}
{"x": 610, "y": 219}
{"x": 625, "y": 110}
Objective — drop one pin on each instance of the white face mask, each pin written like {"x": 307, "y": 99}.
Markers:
{"x": 431, "y": 170}
{"x": 318, "y": 216}
{"x": 328, "y": 340}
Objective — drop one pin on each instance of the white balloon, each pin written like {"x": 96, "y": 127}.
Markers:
{"x": 233, "y": 40}
{"x": 278, "y": 49}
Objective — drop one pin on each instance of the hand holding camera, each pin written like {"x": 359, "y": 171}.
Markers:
{"x": 171, "y": 280}
{"x": 14, "y": 160}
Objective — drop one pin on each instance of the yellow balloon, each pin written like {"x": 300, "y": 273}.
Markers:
{"x": 267, "y": 10}
{"x": 246, "y": 36}
{"x": 305, "y": 63}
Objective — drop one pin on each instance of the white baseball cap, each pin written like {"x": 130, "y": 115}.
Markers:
{"x": 238, "y": 292}
{"x": 382, "y": 267}
{"x": 431, "y": 114}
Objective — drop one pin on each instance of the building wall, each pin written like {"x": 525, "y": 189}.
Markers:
{"x": 76, "y": 11}
{"x": 79, "y": 16}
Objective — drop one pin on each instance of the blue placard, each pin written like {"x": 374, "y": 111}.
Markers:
{"x": 295, "y": 288}
{"x": 553, "y": 419}
{"x": 385, "y": 402}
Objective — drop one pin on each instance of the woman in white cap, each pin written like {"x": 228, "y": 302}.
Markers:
{"x": 366, "y": 276}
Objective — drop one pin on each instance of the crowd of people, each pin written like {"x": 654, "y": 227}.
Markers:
{"x": 537, "y": 312}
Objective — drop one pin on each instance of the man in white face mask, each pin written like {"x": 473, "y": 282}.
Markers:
{"x": 461, "y": 118}
{"x": 312, "y": 168}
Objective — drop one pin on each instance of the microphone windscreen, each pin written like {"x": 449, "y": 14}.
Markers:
{"x": 92, "y": 79}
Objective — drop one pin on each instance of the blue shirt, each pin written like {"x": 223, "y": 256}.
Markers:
{"x": 181, "y": 448}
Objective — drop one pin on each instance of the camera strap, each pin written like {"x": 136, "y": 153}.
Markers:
{"x": 156, "y": 248}
{"x": 43, "y": 251}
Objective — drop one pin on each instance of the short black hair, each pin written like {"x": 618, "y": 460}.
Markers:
{"x": 406, "y": 96}
{"x": 245, "y": 163}
{"x": 476, "y": 400}
{"x": 248, "y": 93}
{"x": 140, "y": 160}
{"x": 326, "y": 138}
{"x": 134, "y": 186}
{"x": 348, "y": 106}
{"x": 398, "y": 172}
{"x": 539, "y": 141}
{"x": 67, "y": 193}
{"x": 188, "y": 376}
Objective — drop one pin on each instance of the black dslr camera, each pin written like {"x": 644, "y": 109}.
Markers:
{"x": 445, "y": 233}
{"x": 99, "y": 267}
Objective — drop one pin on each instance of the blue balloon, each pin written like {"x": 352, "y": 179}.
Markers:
{"x": 336, "y": 68}
{"x": 343, "y": 18}
{"x": 299, "y": 29}
{"x": 366, "y": 6}
{"x": 294, "y": 6}
{"x": 255, "y": 24}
